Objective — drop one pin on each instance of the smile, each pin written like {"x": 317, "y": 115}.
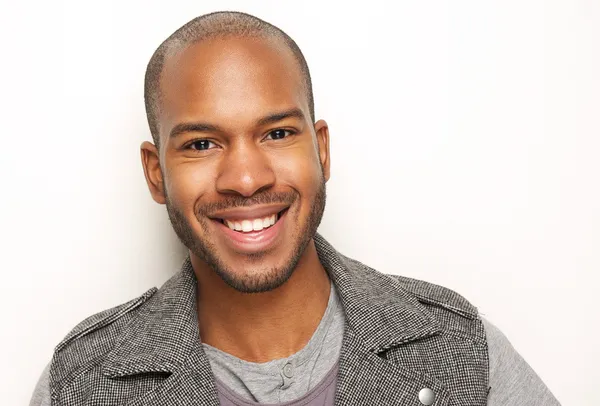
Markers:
{"x": 252, "y": 230}
{"x": 248, "y": 225}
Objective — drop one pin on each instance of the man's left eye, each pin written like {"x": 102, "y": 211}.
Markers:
{"x": 278, "y": 134}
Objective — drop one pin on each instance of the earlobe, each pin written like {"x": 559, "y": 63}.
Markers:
{"x": 322, "y": 133}
{"x": 152, "y": 171}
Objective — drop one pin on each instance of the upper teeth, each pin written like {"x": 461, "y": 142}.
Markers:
{"x": 252, "y": 224}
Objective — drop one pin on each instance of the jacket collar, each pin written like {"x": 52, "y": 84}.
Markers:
{"x": 164, "y": 336}
{"x": 378, "y": 310}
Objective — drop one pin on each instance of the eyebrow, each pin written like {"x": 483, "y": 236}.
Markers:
{"x": 275, "y": 117}
{"x": 205, "y": 127}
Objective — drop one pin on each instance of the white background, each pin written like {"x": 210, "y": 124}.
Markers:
{"x": 465, "y": 151}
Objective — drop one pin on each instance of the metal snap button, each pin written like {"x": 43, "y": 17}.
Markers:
{"x": 426, "y": 396}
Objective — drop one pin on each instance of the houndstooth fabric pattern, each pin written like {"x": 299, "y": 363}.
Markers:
{"x": 402, "y": 336}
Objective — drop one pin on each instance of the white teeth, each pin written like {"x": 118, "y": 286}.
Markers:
{"x": 246, "y": 226}
{"x": 252, "y": 225}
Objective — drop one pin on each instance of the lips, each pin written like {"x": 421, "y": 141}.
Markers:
{"x": 251, "y": 230}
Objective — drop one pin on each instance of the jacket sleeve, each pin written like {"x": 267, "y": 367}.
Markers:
{"x": 512, "y": 381}
{"x": 41, "y": 393}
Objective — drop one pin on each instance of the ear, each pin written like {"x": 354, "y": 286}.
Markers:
{"x": 152, "y": 171}
{"x": 322, "y": 133}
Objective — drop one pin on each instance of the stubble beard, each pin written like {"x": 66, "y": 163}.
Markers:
{"x": 262, "y": 280}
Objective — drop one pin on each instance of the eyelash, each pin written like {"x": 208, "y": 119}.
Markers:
{"x": 189, "y": 145}
{"x": 288, "y": 134}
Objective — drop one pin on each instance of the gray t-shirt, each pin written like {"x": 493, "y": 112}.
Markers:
{"x": 286, "y": 379}
{"x": 311, "y": 377}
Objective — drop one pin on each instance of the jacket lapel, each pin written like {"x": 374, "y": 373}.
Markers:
{"x": 193, "y": 384}
{"x": 365, "y": 378}
{"x": 380, "y": 315}
{"x": 165, "y": 339}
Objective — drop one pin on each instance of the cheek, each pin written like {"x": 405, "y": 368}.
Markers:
{"x": 186, "y": 183}
{"x": 302, "y": 172}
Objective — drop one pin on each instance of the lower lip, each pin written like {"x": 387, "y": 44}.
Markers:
{"x": 253, "y": 241}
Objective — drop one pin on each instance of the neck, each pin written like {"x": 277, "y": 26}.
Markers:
{"x": 260, "y": 327}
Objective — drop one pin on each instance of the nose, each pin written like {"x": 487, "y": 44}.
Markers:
{"x": 245, "y": 170}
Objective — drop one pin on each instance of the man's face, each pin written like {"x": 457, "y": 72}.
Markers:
{"x": 243, "y": 166}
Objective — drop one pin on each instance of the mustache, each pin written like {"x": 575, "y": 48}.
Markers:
{"x": 231, "y": 202}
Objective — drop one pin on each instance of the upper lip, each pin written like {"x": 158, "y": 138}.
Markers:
{"x": 251, "y": 212}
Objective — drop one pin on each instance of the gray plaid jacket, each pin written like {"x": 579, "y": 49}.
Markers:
{"x": 402, "y": 336}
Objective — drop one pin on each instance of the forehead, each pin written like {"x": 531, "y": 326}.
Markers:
{"x": 230, "y": 80}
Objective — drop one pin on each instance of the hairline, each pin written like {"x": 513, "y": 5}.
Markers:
{"x": 174, "y": 44}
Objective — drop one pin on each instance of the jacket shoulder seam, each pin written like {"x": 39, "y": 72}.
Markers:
{"x": 104, "y": 318}
{"x": 470, "y": 313}
{"x": 461, "y": 306}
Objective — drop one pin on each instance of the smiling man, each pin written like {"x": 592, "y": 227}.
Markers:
{"x": 264, "y": 310}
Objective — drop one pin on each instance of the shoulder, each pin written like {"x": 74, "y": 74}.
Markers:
{"x": 425, "y": 292}
{"x": 511, "y": 378}
{"x": 455, "y": 314}
{"x": 41, "y": 393}
{"x": 104, "y": 319}
{"x": 436, "y": 295}
{"x": 91, "y": 340}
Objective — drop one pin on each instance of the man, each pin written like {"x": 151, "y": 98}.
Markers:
{"x": 264, "y": 310}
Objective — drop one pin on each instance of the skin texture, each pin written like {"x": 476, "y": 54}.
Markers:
{"x": 252, "y": 144}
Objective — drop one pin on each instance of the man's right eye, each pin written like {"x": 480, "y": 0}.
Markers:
{"x": 201, "y": 145}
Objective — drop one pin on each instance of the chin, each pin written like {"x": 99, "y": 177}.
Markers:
{"x": 258, "y": 272}
{"x": 255, "y": 279}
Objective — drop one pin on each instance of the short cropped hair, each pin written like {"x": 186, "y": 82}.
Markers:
{"x": 214, "y": 25}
